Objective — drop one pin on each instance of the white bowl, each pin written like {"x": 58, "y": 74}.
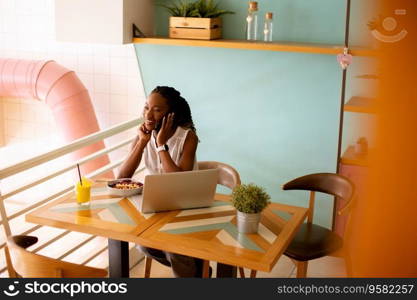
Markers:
{"x": 123, "y": 192}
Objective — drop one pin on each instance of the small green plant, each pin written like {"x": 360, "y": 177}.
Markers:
{"x": 198, "y": 9}
{"x": 250, "y": 198}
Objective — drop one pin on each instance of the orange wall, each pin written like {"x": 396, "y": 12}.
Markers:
{"x": 386, "y": 244}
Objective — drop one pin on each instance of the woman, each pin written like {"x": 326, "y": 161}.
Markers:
{"x": 167, "y": 141}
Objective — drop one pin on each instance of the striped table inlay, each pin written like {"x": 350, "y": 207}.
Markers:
{"x": 202, "y": 220}
{"x": 103, "y": 207}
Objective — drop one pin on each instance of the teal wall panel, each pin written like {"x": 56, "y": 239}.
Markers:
{"x": 272, "y": 115}
{"x": 320, "y": 21}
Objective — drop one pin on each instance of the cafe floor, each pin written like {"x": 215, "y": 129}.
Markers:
{"x": 323, "y": 267}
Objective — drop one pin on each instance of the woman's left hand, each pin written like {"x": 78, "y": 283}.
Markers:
{"x": 166, "y": 130}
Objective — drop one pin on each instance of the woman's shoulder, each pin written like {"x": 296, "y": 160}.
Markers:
{"x": 186, "y": 133}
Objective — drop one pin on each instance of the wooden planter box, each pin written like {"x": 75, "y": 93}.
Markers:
{"x": 195, "y": 28}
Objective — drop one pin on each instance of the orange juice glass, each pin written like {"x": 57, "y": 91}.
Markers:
{"x": 83, "y": 192}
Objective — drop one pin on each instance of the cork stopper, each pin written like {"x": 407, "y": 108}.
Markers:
{"x": 269, "y": 16}
{"x": 253, "y": 5}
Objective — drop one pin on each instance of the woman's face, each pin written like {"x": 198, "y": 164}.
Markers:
{"x": 156, "y": 107}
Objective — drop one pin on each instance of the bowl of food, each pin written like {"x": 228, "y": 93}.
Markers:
{"x": 124, "y": 187}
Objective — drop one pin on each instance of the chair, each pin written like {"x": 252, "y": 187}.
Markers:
{"x": 228, "y": 177}
{"x": 23, "y": 263}
{"x": 314, "y": 241}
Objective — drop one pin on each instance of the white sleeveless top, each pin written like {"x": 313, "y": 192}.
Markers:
{"x": 175, "y": 147}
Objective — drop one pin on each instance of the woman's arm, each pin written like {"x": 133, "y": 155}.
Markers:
{"x": 186, "y": 162}
{"x": 132, "y": 161}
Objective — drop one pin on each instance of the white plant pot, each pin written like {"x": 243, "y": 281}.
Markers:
{"x": 248, "y": 223}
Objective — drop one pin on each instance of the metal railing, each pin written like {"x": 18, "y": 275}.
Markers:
{"x": 46, "y": 157}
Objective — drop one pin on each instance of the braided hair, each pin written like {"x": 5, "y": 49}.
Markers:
{"x": 178, "y": 105}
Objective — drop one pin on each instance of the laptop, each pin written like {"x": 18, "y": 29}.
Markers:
{"x": 178, "y": 190}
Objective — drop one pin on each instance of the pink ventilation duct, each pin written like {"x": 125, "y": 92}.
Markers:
{"x": 63, "y": 92}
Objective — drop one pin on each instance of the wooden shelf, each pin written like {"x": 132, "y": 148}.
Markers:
{"x": 360, "y": 105}
{"x": 243, "y": 44}
{"x": 352, "y": 158}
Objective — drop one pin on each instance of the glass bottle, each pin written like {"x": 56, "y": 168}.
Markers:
{"x": 268, "y": 27}
{"x": 252, "y": 21}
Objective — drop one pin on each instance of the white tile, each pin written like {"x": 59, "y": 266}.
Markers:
{"x": 118, "y": 85}
{"x": 118, "y": 50}
{"x": 10, "y": 53}
{"x": 118, "y": 66}
{"x": 10, "y": 23}
{"x": 117, "y": 118}
{"x": 101, "y": 65}
{"x": 11, "y": 41}
{"x": 67, "y": 48}
{"x": 27, "y": 130}
{"x": 43, "y": 115}
{"x": 103, "y": 120}
{"x": 131, "y": 52}
{"x": 133, "y": 105}
{"x": 85, "y": 49}
{"x": 10, "y": 100}
{"x": 12, "y": 111}
{"x": 101, "y": 50}
{"x": 23, "y": 44}
{"x": 11, "y": 140}
{"x": 8, "y": 6}
{"x": 69, "y": 61}
{"x": 118, "y": 154}
{"x": 42, "y": 130}
{"x": 12, "y": 128}
{"x": 38, "y": 25}
{"x": 23, "y": 24}
{"x": 1, "y": 30}
{"x": 50, "y": 28}
{"x": 101, "y": 102}
{"x": 134, "y": 87}
{"x": 133, "y": 68}
{"x": 43, "y": 55}
{"x": 118, "y": 104}
{"x": 29, "y": 112}
{"x": 38, "y": 44}
{"x": 85, "y": 64}
{"x": 25, "y": 54}
{"x": 50, "y": 8}
{"x": 88, "y": 81}
{"x": 101, "y": 83}
{"x": 27, "y": 7}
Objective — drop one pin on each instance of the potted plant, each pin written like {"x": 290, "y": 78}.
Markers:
{"x": 195, "y": 20}
{"x": 249, "y": 201}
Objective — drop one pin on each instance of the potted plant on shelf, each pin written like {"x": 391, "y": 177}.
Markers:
{"x": 195, "y": 20}
{"x": 249, "y": 201}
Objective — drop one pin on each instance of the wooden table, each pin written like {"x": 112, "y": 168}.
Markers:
{"x": 207, "y": 233}
{"x": 211, "y": 234}
{"x": 114, "y": 217}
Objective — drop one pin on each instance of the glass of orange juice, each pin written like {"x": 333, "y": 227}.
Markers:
{"x": 83, "y": 191}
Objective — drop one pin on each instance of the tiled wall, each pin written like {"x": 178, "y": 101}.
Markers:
{"x": 110, "y": 72}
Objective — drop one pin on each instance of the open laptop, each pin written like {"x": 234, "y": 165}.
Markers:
{"x": 179, "y": 190}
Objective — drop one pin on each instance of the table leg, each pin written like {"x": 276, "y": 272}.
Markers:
{"x": 118, "y": 259}
{"x": 226, "y": 271}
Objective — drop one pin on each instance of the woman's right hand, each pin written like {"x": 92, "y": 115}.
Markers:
{"x": 144, "y": 135}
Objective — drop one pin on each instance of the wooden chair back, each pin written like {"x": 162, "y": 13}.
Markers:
{"x": 228, "y": 176}
{"x": 329, "y": 183}
{"x": 28, "y": 264}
